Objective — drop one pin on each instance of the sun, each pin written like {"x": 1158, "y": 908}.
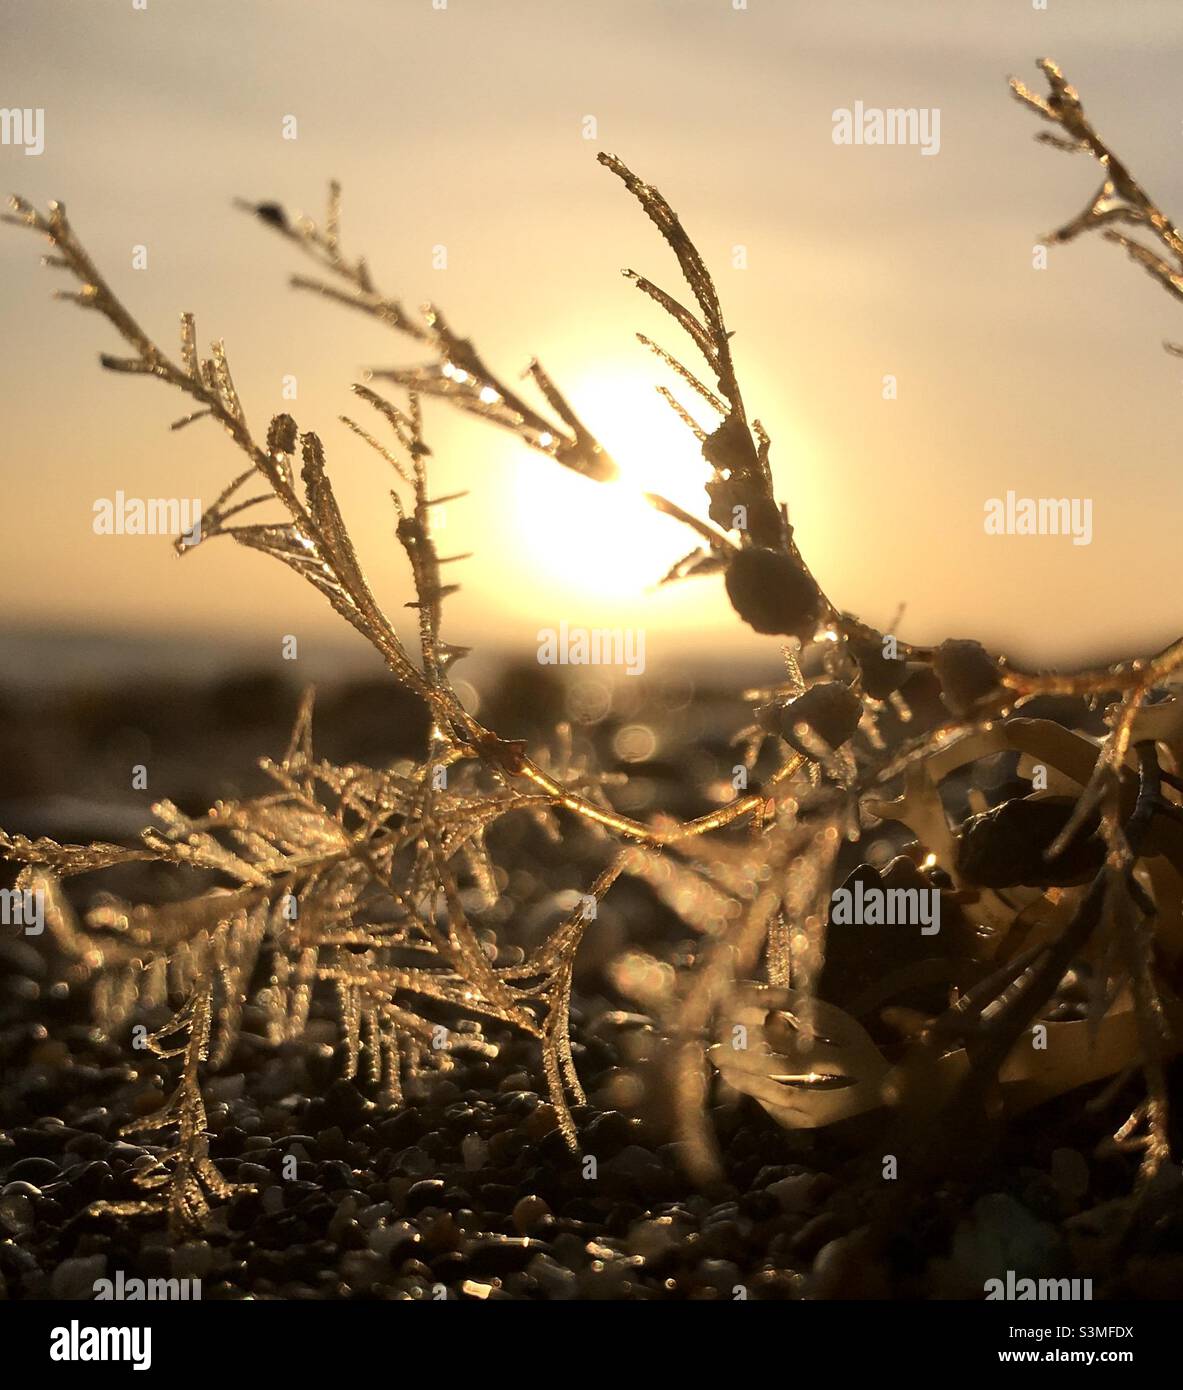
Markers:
{"x": 605, "y": 540}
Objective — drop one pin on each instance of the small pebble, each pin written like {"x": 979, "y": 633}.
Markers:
{"x": 193, "y": 1260}
{"x": 16, "y": 1214}
{"x": 529, "y": 1214}
{"x": 475, "y": 1152}
{"x": 75, "y": 1278}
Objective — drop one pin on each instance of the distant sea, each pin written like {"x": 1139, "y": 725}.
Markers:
{"x": 54, "y": 658}
{"x": 59, "y": 658}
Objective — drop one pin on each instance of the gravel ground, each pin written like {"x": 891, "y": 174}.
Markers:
{"x": 469, "y": 1190}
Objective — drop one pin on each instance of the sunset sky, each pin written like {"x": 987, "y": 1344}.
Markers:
{"x": 465, "y": 127}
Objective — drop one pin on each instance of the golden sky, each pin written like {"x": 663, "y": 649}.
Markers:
{"x": 465, "y": 127}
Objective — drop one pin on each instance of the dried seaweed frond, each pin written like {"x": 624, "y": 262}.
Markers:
{"x": 369, "y": 884}
{"x": 343, "y": 878}
{"x": 742, "y": 489}
{"x": 1120, "y": 199}
{"x": 182, "y": 1177}
{"x": 458, "y": 374}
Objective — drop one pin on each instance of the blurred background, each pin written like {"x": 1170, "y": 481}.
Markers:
{"x": 464, "y": 128}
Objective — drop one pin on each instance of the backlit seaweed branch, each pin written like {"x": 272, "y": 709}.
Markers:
{"x": 363, "y": 882}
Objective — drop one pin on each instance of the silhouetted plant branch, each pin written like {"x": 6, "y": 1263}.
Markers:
{"x": 375, "y": 860}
